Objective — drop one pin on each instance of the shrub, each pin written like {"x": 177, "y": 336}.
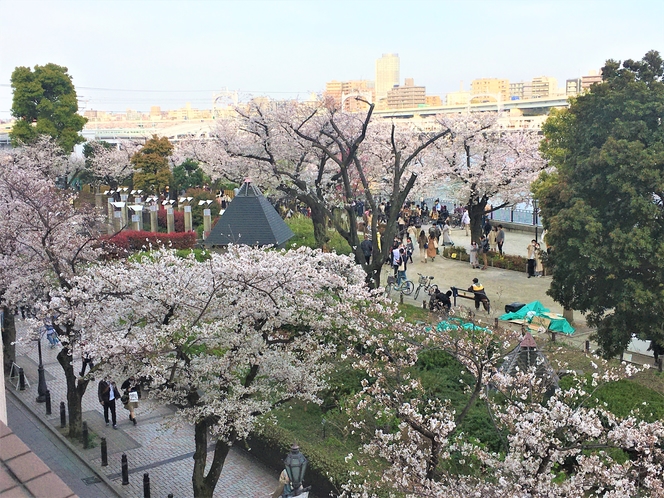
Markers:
{"x": 163, "y": 223}
{"x": 506, "y": 261}
{"x": 120, "y": 244}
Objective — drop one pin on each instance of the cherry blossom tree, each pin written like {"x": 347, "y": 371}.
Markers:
{"x": 225, "y": 339}
{"x": 486, "y": 163}
{"x": 44, "y": 241}
{"x": 559, "y": 444}
{"x": 111, "y": 163}
{"x": 328, "y": 160}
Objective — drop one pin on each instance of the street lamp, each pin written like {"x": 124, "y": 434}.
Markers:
{"x": 296, "y": 465}
{"x": 41, "y": 387}
{"x": 535, "y": 216}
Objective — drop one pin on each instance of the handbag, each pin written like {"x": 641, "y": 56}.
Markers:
{"x": 124, "y": 398}
{"x": 133, "y": 397}
{"x": 426, "y": 245}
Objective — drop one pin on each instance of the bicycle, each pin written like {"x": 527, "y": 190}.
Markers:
{"x": 425, "y": 282}
{"x": 405, "y": 287}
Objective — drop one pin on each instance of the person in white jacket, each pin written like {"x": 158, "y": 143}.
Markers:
{"x": 465, "y": 221}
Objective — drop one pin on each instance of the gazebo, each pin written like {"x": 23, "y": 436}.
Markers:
{"x": 526, "y": 356}
{"x": 251, "y": 220}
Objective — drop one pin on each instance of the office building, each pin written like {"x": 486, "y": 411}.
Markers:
{"x": 387, "y": 75}
{"x": 489, "y": 90}
{"x": 406, "y": 96}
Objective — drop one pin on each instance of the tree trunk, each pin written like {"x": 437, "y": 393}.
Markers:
{"x": 204, "y": 485}
{"x": 75, "y": 392}
{"x": 8, "y": 339}
{"x": 476, "y": 212}
{"x": 320, "y": 224}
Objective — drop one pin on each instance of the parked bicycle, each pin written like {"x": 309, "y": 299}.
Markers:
{"x": 425, "y": 282}
{"x": 405, "y": 287}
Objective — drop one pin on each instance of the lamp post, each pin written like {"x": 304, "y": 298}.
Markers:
{"x": 295, "y": 464}
{"x": 535, "y": 216}
{"x": 41, "y": 387}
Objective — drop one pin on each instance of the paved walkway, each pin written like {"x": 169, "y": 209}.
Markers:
{"x": 502, "y": 286}
{"x": 153, "y": 446}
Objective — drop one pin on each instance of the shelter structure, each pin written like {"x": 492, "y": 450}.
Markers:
{"x": 251, "y": 220}
{"x": 525, "y": 357}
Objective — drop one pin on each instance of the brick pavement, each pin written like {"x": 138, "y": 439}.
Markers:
{"x": 155, "y": 445}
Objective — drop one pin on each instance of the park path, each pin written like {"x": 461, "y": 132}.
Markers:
{"x": 154, "y": 445}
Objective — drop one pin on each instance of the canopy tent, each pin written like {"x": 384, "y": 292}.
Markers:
{"x": 537, "y": 315}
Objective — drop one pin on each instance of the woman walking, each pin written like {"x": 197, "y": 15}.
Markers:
{"x": 422, "y": 244}
{"x": 130, "y": 397}
{"x": 432, "y": 244}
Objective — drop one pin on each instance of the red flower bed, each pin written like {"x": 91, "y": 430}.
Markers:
{"x": 133, "y": 241}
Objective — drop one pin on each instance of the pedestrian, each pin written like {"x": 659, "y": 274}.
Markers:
{"x": 539, "y": 267}
{"x": 531, "y": 248}
{"x": 87, "y": 361}
{"x": 432, "y": 246}
{"x": 130, "y": 397}
{"x": 447, "y": 240}
{"x": 402, "y": 267}
{"x": 473, "y": 255}
{"x": 440, "y": 301}
{"x": 395, "y": 257}
{"x": 108, "y": 393}
{"x": 487, "y": 227}
{"x": 367, "y": 248}
{"x": 410, "y": 249}
{"x": 484, "y": 249}
{"x": 52, "y": 336}
{"x": 465, "y": 221}
{"x": 493, "y": 245}
{"x": 422, "y": 244}
{"x": 480, "y": 295}
{"x": 500, "y": 239}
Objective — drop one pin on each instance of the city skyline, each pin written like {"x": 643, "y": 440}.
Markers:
{"x": 134, "y": 55}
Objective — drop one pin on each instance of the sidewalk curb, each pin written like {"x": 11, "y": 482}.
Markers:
{"x": 69, "y": 446}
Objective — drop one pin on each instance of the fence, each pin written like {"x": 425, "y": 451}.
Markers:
{"x": 520, "y": 216}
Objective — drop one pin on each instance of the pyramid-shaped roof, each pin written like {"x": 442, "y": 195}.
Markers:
{"x": 249, "y": 219}
{"x": 525, "y": 356}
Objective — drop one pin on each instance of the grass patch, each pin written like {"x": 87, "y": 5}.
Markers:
{"x": 303, "y": 228}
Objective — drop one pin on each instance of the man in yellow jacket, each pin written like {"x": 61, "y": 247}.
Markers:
{"x": 480, "y": 295}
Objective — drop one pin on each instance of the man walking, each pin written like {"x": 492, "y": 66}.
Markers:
{"x": 108, "y": 393}
{"x": 500, "y": 239}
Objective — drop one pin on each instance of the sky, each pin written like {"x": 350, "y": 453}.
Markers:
{"x": 137, "y": 53}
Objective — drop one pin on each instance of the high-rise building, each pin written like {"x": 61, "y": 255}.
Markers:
{"x": 544, "y": 86}
{"x": 348, "y": 92}
{"x": 406, "y": 96}
{"x": 573, "y": 87}
{"x": 589, "y": 80}
{"x": 387, "y": 75}
{"x": 461, "y": 97}
{"x": 490, "y": 90}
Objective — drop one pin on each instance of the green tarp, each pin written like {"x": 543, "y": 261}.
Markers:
{"x": 454, "y": 323}
{"x": 530, "y": 310}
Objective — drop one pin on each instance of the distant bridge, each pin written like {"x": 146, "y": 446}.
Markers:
{"x": 534, "y": 106}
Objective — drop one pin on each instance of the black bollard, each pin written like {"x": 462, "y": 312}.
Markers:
{"x": 146, "y": 485}
{"x": 495, "y": 323}
{"x": 85, "y": 436}
{"x": 63, "y": 415}
{"x": 170, "y": 495}
{"x": 21, "y": 379}
{"x": 587, "y": 346}
{"x": 48, "y": 402}
{"x": 401, "y": 298}
{"x": 104, "y": 453}
{"x": 659, "y": 364}
{"x": 125, "y": 470}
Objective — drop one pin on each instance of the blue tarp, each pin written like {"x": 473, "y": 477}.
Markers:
{"x": 531, "y": 310}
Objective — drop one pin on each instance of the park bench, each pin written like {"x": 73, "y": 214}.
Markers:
{"x": 465, "y": 294}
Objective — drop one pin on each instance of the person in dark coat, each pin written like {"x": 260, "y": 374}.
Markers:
{"x": 108, "y": 393}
